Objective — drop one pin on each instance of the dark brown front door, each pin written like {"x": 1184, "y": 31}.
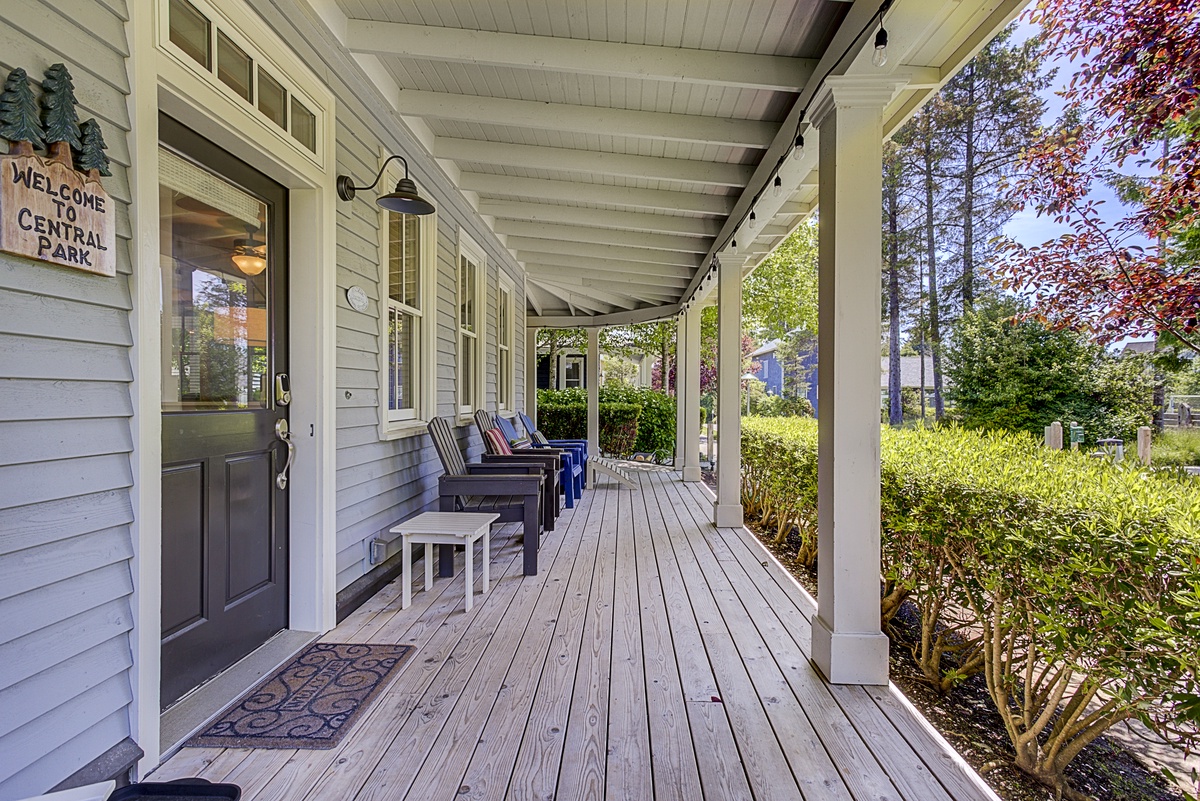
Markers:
{"x": 223, "y": 263}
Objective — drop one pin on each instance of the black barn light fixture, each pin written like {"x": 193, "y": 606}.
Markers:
{"x": 404, "y": 199}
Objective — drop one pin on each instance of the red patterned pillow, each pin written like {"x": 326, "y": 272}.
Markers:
{"x": 497, "y": 443}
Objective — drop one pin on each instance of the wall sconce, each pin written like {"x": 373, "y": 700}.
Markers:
{"x": 405, "y": 199}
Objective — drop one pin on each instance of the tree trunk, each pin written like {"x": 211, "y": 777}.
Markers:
{"x": 895, "y": 408}
{"x": 968, "y": 207}
{"x": 935, "y": 336}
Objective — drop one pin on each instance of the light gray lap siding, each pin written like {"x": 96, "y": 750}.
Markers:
{"x": 381, "y": 482}
{"x": 65, "y": 473}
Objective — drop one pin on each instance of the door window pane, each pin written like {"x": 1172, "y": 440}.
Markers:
{"x": 215, "y": 310}
{"x": 234, "y": 67}
{"x": 189, "y": 31}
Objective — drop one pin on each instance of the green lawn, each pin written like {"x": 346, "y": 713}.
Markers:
{"x": 1178, "y": 447}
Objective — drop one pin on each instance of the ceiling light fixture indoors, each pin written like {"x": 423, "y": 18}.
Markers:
{"x": 404, "y": 199}
{"x": 249, "y": 255}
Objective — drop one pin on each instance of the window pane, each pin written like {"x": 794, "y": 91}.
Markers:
{"x": 215, "y": 311}
{"x": 304, "y": 125}
{"x": 412, "y": 260}
{"x": 467, "y": 397}
{"x": 272, "y": 98}
{"x": 504, "y": 384}
{"x": 234, "y": 67}
{"x": 402, "y": 364}
{"x": 190, "y": 32}
{"x": 505, "y": 332}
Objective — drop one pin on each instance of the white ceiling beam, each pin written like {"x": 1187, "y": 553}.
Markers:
{"x": 592, "y": 162}
{"x": 627, "y": 271}
{"x": 600, "y": 218}
{"x": 617, "y": 318}
{"x": 579, "y": 56}
{"x": 587, "y": 119}
{"x": 576, "y": 300}
{"x": 618, "y": 299}
{"x": 683, "y": 263}
{"x": 602, "y": 236}
{"x": 532, "y": 298}
{"x": 552, "y": 274}
{"x": 488, "y": 184}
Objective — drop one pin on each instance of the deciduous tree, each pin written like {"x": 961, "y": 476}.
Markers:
{"x": 1134, "y": 102}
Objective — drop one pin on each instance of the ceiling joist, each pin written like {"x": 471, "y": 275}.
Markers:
{"x": 592, "y": 162}
{"x": 670, "y": 261}
{"x": 587, "y": 119}
{"x": 489, "y": 185}
{"x": 554, "y": 274}
{"x": 602, "y": 236}
{"x": 619, "y": 220}
{"x": 579, "y": 56}
{"x": 621, "y": 272}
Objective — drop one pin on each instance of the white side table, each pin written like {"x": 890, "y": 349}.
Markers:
{"x": 444, "y": 528}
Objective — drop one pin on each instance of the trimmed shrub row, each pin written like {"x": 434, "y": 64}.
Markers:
{"x": 631, "y": 419}
{"x": 1072, "y": 585}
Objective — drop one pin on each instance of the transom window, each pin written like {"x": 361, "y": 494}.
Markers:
{"x": 196, "y": 32}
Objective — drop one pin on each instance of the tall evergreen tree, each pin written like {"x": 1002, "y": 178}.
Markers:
{"x": 891, "y": 246}
{"x": 90, "y": 157}
{"x": 990, "y": 111}
{"x": 59, "y": 115}
{"x": 19, "y": 119}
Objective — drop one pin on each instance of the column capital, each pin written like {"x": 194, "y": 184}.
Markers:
{"x": 854, "y": 91}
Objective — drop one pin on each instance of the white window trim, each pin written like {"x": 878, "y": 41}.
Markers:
{"x": 505, "y": 353}
{"x": 426, "y": 385}
{"x": 468, "y": 247}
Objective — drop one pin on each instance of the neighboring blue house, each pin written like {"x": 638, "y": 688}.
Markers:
{"x": 771, "y": 371}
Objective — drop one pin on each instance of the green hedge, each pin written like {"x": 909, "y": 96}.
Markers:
{"x": 1064, "y": 580}
{"x": 653, "y": 430}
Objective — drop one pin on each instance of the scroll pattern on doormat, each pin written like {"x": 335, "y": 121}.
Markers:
{"x": 311, "y": 702}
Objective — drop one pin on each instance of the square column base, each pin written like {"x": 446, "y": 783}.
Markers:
{"x": 727, "y": 515}
{"x": 849, "y": 658}
{"x": 692, "y": 474}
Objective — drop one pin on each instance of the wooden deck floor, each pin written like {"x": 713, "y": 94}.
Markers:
{"x": 654, "y": 656}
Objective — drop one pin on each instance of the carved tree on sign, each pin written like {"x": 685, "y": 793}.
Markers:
{"x": 90, "y": 157}
{"x": 59, "y": 116}
{"x": 20, "y": 121}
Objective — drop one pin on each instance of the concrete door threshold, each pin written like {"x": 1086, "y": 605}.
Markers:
{"x": 196, "y": 709}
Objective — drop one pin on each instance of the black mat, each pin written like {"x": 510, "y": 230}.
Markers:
{"x": 311, "y": 702}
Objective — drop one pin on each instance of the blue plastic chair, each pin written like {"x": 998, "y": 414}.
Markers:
{"x": 573, "y": 474}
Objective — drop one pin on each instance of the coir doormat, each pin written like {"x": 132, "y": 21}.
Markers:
{"x": 311, "y": 702}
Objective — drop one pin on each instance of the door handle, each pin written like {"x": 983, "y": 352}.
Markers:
{"x": 284, "y": 436}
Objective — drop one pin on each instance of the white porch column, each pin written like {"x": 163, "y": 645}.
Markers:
{"x": 689, "y": 389}
{"x": 847, "y": 644}
{"x": 727, "y": 511}
{"x": 593, "y": 390}
{"x": 531, "y": 358}
{"x": 680, "y": 380}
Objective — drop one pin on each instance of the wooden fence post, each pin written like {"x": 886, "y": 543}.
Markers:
{"x": 1143, "y": 444}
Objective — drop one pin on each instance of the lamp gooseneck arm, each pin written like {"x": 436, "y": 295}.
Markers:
{"x": 346, "y": 188}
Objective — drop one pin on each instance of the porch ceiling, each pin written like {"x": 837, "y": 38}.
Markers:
{"x": 617, "y": 147}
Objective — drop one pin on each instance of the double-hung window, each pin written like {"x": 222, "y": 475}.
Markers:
{"x": 472, "y": 277}
{"x": 504, "y": 349}
{"x": 405, "y": 310}
{"x": 408, "y": 314}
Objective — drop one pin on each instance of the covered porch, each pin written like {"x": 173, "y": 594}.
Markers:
{"x": 653, "y": 656}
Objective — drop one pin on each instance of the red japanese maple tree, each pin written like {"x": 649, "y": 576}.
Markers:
{"x": 1135, "y": 100}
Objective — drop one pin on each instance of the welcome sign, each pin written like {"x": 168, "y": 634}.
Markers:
{"x": 52, "y": 213}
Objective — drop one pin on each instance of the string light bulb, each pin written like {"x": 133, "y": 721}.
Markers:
{"x": 733, "y": 246}
{"x": 778, "y": 190}
{"x": 753, "y": 221}
{"x": 798, "y": 149}
{"x": 880, "y": 56}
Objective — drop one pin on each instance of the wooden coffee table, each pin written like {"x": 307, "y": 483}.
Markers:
{"x": 444, "y": 529}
